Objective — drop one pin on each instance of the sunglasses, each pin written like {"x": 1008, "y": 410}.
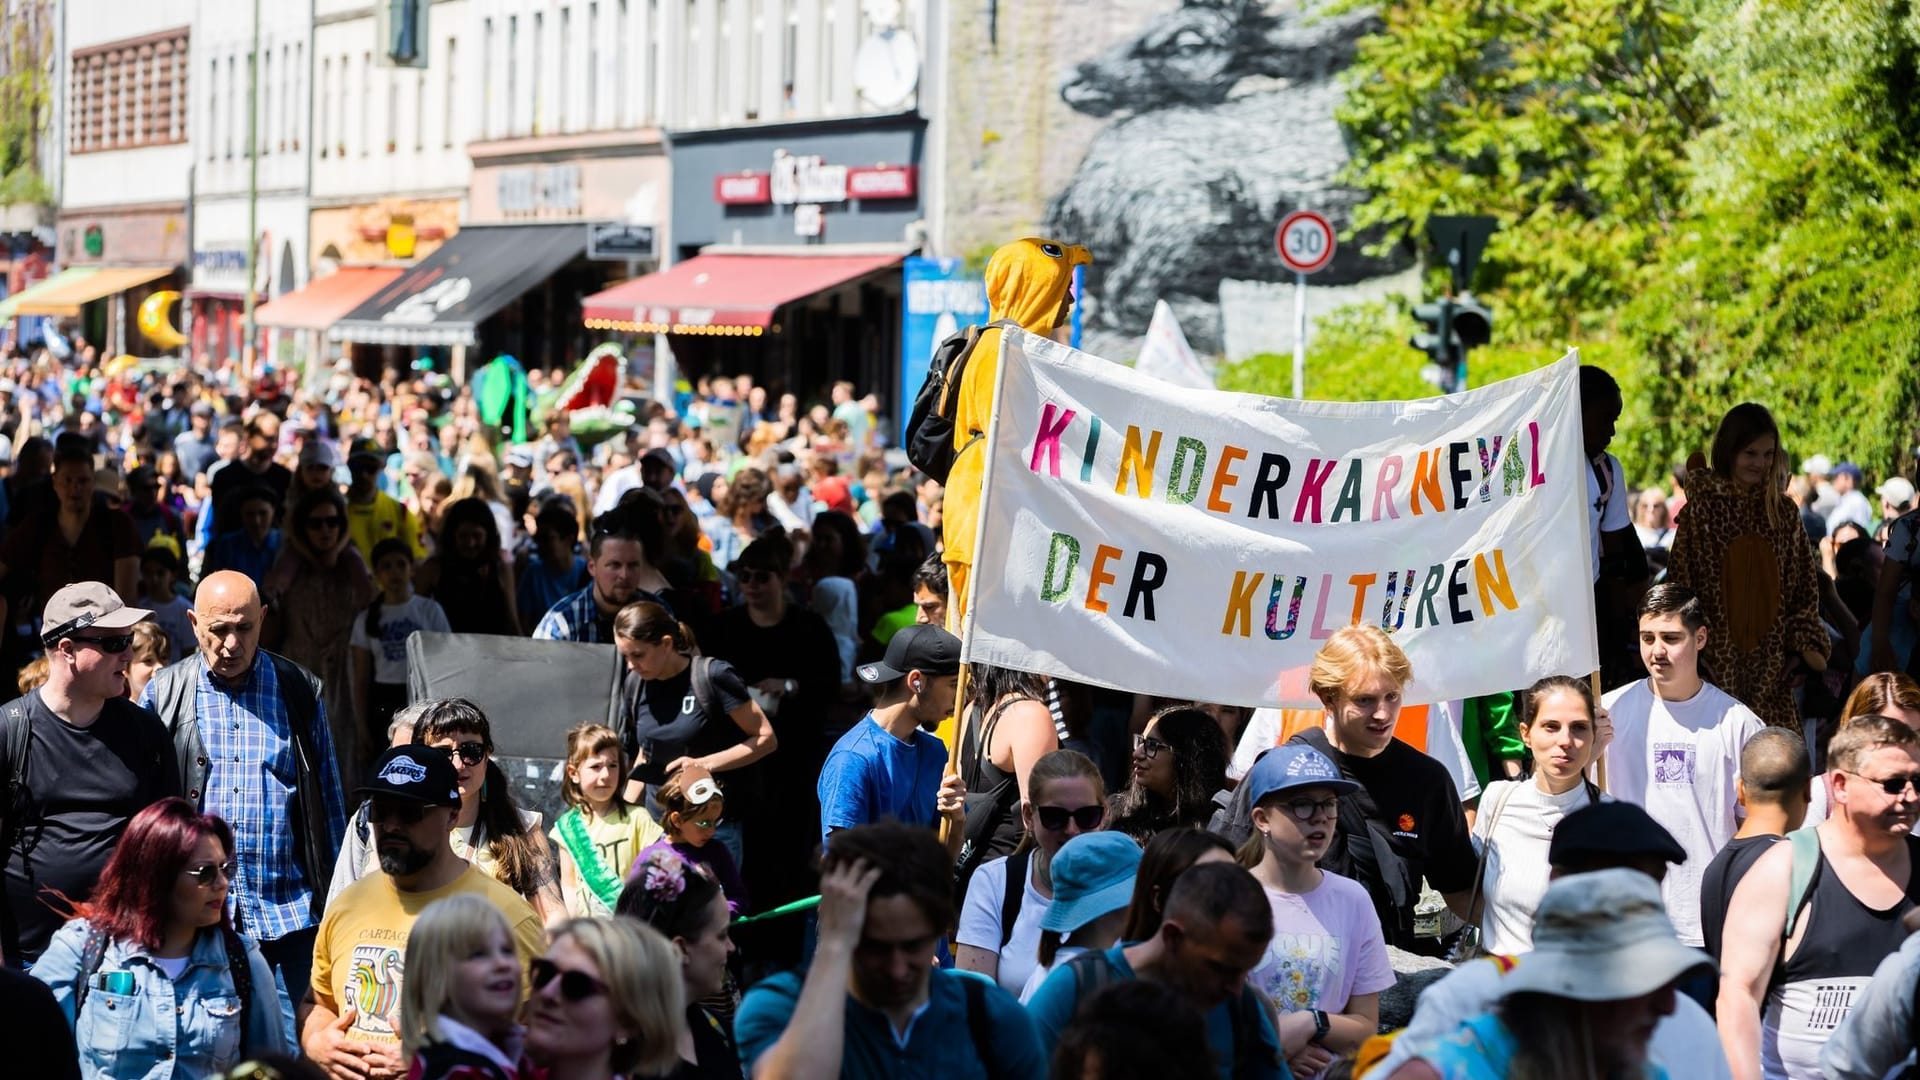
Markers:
{"x": 575, "y": 986}
{"x": 1892, "y": 785}
{"x": 206, "y": 872}
{"x": 1149, "y": 747}
{"x": 398, "y": 811}
{"x": 112, "y": 646}
{"x": 1055, "y": 818}
{"x": 472, "y": 752}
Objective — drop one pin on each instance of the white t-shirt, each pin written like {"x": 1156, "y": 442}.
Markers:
{"x": 1326, "y": 949}
{"x": 1522, "y": 818}
{"x": 1685, "y": 1044}
{"x": 1679, "y": 759}
{"x": 980, "y": 923}
{"x": 1606, "y": 511}
{"x": 396, "y": 622}
{"x": 1061, "y": 957}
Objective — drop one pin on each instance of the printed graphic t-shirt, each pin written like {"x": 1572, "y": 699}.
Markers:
{"x": 358, "y": 957}
{"x": 397, "y": 623}
{"x": 1679, "y": 759}
{"x": 1326, "y": 948}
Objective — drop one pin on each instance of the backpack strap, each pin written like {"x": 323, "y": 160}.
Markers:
{"x": 1012, "y": 892}
{"x": 92, "y": 951}
{"x": 979, "y": 1024}
{"x": 1387, "y": 862}
{"x": 16, "y": 733}
{"x": 1806, "y": 859}
{"x": 241, "y": 970}
{"x": 702, "y": 668}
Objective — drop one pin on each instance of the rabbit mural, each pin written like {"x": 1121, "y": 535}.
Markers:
{"x": 1223, "y": 124}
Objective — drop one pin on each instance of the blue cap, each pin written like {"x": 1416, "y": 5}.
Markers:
{"x": 1294, "y": 765}
{"x": 1092, "y": 876}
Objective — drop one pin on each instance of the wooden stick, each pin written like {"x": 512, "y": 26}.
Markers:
{"x": 1601, "y": 759}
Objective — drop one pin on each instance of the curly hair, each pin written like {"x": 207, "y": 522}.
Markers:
{"x": 1199, "y": 769}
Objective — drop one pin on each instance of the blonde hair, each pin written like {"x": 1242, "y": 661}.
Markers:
{"x": 447, "y": 932}
{"x": 641, "y": 970}
{"x": 34, "y": 675}
{"x": 1351, "y": 654}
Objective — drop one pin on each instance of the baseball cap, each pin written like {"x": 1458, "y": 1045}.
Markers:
{"x": 86, "y": 604}
{"x": 1291, "y": 765}
{"x": 834, "y": 493}
{"x": 1612, "y": 828}
{"x": 920, "y": 647}
{"x": 416, "y": 773}
{"x": 1817, "y": 465}
{"x": 1603, "y": 936}
{"x": 366, "y": 452}
{"x": 1092, "y": 876}
{"x": 1897, "y": 490}
{"x": 317, "y": 451}
{"x": 1848, "y": 468}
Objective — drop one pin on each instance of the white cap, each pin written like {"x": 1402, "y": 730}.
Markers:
{"x": 1898, "y": 490}
{"x": 1817, "y": 465}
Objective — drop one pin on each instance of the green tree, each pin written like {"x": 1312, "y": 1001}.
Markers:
{"x": 26, "y": 46}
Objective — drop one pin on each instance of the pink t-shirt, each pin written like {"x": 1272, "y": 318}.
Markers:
{"x": 1326, "y": 948}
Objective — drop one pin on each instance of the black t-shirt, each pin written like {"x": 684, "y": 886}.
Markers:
{"x": 1720, "y": 878}
{"x": 1419, "y": 809}
{"x": 712, "y": 1045}
{"x": 665, "y": 721}
{"x": 235, "y": 476}
{"x": 799, "y": 647}
{"x": 84, "y": 785}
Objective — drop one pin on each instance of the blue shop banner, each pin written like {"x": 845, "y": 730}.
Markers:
{"x": 940, "y": 298}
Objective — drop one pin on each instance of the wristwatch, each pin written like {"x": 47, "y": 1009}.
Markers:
{"x": 1320, "y": 1025}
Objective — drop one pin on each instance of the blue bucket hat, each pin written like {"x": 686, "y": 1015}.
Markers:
{"x": 1092, "y": 876}
{"x": 1294, "y": 765}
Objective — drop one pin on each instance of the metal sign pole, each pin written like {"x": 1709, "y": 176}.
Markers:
{"x": 1300, "y": 336}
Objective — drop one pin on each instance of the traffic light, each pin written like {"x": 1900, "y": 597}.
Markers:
{"x": 1449, "y": 327}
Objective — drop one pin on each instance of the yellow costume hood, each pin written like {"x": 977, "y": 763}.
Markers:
{"x": 1027, "y": 281}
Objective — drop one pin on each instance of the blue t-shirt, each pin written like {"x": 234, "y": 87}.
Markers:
{"x": 871, "y": 776}
{"x": 1053, "y": 1005}
{"x": 938, "y": 1045}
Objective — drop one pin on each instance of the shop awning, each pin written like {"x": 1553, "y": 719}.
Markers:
{"x": 722, "y": 294}
{"x": 9, "y": 307}
{"x": 326, "y": 300}
{"x": 66, "y": 297}
{"x": 445, "y": 297}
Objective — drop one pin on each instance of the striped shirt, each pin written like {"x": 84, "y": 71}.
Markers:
{"x": 251, "y": 782}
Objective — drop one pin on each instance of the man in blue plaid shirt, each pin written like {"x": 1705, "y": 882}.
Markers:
{"x": 254, "y": 748}
{"x": 616, "y": 559}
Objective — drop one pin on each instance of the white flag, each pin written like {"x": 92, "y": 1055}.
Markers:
{"x": 1165, "y": 354}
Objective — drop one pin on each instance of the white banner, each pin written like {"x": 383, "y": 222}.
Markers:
{"x": 1165, "y": 354}
{"x": 1199, "y": 544}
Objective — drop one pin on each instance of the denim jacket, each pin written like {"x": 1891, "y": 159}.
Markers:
{"x": 165, "y": 1029}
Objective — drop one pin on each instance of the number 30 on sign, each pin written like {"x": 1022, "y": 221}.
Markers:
{"x": 1305, "y": 241}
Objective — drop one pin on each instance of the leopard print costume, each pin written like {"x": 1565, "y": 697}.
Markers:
{"x": 1754, "y": 574}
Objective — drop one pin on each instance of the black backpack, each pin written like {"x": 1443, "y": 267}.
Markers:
{"x": 930, "y": 424}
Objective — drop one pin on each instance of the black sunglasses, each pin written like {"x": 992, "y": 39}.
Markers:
{"x": 473, "y": 752}
{"x": 398, "y": 811}
{"x": 1055, "y": 818}
{"x": 112, "y": 646}
{"x": 205, "y": 872}
{"x": 1892, "y": 785}
{"x": 575, "y": 986}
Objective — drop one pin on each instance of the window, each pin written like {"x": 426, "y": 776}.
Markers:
{"x": 233, "y": 104}
{"x": 539, "y": 88}
{"x": 513, "y": 75}
{"x": 651, "y": 85}
{"x": 419, "y": 110}
{"x": 756, "y": 27}
{"x": 446, "y": 119}
{"x": 562, "y": 71}
{"x": 722, "y": 66}
{"x": 593, "y": 67}
{"x": 789, "y": 61}
{"x": 366, "y": 103}
{"x": 393, "y": 109}
{"x": 289, "y": 87}
{"x": 486, "y": 84}
{"x": 340, "y": 118}
{"x": 326, "y": 102}
{"x": 692, "y": 71}
{"x": 620, "y": 45}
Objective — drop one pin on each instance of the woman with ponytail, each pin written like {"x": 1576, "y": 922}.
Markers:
{"x": 680, "y": 708}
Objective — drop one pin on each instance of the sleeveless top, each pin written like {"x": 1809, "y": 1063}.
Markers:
{"x": 1812, "y": 991}
{"x": 983, "y": 777}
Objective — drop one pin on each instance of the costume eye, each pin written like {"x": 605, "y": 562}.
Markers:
{"x": 1053, "y": 251}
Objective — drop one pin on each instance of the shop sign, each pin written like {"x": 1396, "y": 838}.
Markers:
{"x": 429, "y": 303}
{"x": 94, "y": 241}
{"x": 800, "y": 179}
{"x": 611, "y": 240}
{"x": 809, "y": 220}
{"x": 540, "y": 189}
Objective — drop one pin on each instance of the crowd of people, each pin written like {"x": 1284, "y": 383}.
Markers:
{"x": 803, "y": 839}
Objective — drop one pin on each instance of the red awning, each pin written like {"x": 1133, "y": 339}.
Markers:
{"x": 722, "y": 293}
{"x": 325, "y": 300}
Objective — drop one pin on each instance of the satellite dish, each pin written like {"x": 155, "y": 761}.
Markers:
{"x": 886, "y": 69}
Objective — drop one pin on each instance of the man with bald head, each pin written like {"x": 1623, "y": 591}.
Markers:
{"x": 251, "y": 739}
{"x": 1774, "y": 787}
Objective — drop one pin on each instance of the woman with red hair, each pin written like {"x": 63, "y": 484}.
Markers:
{"x": 150, "y": 972}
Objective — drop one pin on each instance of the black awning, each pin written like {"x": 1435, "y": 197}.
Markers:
{"x": 478, "y": 271}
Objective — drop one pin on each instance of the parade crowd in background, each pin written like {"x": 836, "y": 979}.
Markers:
{"x": 234, "y": 834}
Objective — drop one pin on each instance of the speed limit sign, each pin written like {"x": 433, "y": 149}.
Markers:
{"x": 1305, "y": 240}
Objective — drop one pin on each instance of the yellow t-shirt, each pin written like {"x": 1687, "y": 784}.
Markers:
{"x": 362, "y": 945}
{"x": 618, "y": 839}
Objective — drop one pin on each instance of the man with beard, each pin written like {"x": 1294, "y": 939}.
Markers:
{"x": 616, "y": 560}
{"x": 1816, "y": 915}
{"x": 350, "y": 1021}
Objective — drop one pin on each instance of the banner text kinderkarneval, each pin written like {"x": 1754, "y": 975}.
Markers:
{"x": 1201, "y": 544}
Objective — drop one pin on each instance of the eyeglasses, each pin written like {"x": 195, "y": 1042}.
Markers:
{"x": 397, "y": 811}
{"x": 1149, "y": 747}
{"x": 112, "y": 646}
{"x": 1308, "y": 809}
{"x": 206, "y": 872}
{"x": 331, "y": 521}
{"x": 1055, "y": 818}
{"x": 1892, "y": 785}
{"x": 575, "y": 986}
{"x": 472, "y": 752}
